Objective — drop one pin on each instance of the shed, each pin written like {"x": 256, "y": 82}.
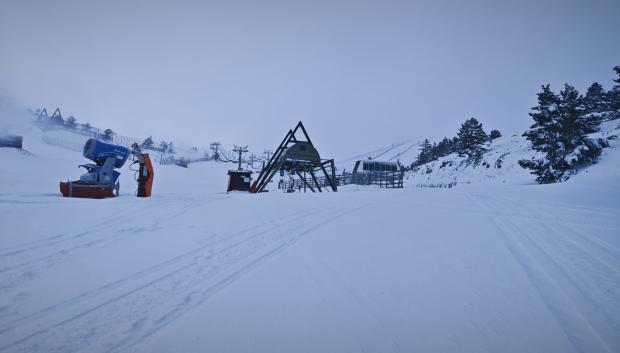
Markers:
{"x": 239, "y": 180}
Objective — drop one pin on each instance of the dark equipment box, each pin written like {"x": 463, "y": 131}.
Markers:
{"x": 14, "y": 141}
{"x": 239, "y": 180}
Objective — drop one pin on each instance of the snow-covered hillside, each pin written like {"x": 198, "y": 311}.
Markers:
{"x": 499, "y": 165}
{"x": 404, "y": 152}
{"x": 489, "y": 267}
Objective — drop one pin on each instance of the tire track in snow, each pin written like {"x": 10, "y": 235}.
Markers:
{"x": 591, "y": 275}
{"x": 31, "y": 268}
{"x": 5, "y": 327}
{"x": 162, "y": 277}
{"x": 115, "y": 319}
{"x": 519, "y": 215}
{"x": 576, "y": 216}
{"x": 599, "y": 211}
{"x": 582, "y": 240}
{"x": 596, "y": 242}
{"x": 67, "y": 236}
{"x": 591, "y": 283}
{"x": 588, "y": 237}
{"x": 141, "y": 209}
{"x": 546, "y": 276}
{"x": 207, "y": 293}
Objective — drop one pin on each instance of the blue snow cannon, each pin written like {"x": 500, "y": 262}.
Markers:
{"x": 99, "y": 151}
{"x": 101, "y": 177}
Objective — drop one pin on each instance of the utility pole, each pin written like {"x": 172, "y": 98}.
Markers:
{"x": 252, "y": 156}
{"x": 215, "y": 146}
{"x": 268, "y": 154}
{"x": 241, "y": 151}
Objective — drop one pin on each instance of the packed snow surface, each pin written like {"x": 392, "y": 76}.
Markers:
{"x": 478, "y": 268}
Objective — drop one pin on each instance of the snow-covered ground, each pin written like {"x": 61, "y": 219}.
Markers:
{"x": 487, "y": 267}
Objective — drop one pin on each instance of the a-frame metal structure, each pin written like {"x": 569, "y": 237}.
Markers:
{"x": 297, "y": 156}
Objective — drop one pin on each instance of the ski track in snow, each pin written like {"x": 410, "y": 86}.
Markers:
{"x": 154, "y": 268}
{"x": 118, "y": 315}
{"x": 27, "y": 261}
{"x": 575, "y": 273}
{"x": 576, "y": 218}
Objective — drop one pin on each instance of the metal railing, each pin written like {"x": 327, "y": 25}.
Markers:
{"x": 391, "y": 179}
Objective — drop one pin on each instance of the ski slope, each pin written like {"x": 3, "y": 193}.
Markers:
{"x": 404, "y": 152}
{"x": 480, "y": 268}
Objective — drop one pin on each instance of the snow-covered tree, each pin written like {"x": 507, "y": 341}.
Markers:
{"x": 596, "y": 99}
{"x": 614, "y": 97}
{"x": 443, "y": 148}
{"x": 561, "y": 125}
{"x": 471, "y": 140}
{"x": 425, "y": 154}
{"x": 70, "y": 123}
{"x": 148, "y": 142}
{"x": 86, "y": 127}
{"x": 494, "y": 134}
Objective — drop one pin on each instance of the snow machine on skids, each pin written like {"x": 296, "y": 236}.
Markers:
{"x": 101, "y": 178}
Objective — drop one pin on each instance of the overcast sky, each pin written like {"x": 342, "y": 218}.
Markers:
{"x": 360, "y": 74}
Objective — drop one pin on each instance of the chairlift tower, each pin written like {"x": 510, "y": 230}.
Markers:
{"x": 239, "y": 179}
{"x": 268, "y": 154}
{"x": 252, "y": 158}
{"x": 215, "y": 146}
{"x": 240, "y": 151}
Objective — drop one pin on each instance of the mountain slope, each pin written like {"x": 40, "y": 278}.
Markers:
{"x": 499, "y": 165}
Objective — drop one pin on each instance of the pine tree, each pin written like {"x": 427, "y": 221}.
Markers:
{"x": 544, "y": 114}
{"x": 70, "y": 123}
{"x": 613, "y": 97}
{"x": 425, "y": 154}
{"x": 494, "y": 134}
{"x": 443, "y": 148}
{"x": 596, "y": 101}
{"x": 561, "y": 125}
{"x": 454, "y": 145}
{"x": 434, "y": 155}
{"x": 471, "y": 140}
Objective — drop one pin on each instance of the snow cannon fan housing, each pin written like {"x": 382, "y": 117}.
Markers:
{"x": 98, "y": 152}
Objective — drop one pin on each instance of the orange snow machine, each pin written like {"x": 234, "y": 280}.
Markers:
{"x": 145, "y": 175}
